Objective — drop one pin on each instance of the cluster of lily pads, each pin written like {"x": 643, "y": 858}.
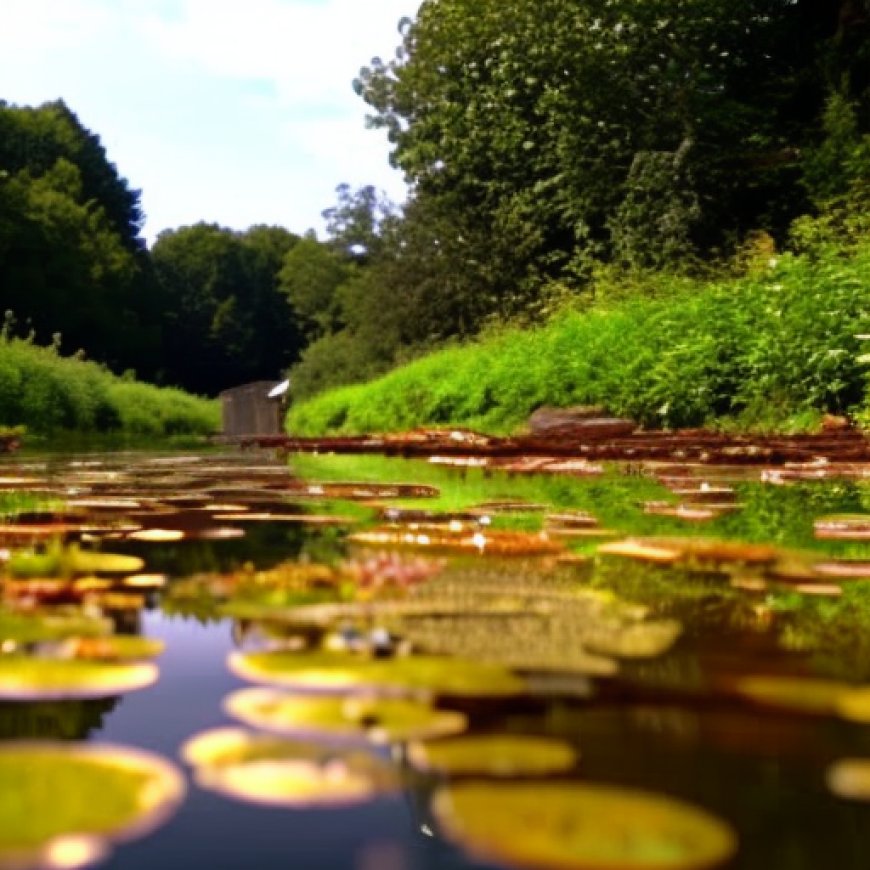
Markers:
{"x": 426, "y": 627}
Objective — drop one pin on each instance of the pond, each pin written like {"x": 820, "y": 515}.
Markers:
{"x": 386, "y": 664}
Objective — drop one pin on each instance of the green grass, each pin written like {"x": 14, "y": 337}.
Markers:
{"x": 771, "y": 351}
{"x": 53, "y": 395}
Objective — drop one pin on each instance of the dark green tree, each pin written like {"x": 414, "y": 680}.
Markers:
{"x": 547, "y": 118}
{"x": 226, "y": 322}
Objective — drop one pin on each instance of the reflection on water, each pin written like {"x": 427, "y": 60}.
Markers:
{"x": 53, "y": 720}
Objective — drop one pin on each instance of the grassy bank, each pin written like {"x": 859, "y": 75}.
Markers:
{"x": 51, "y": 395}
{"x": 771, "y": 350}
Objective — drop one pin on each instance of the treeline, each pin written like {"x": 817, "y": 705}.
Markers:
{"x": 555, "y": 150}
{"x": 50, "y": 395}
{"x": 201, "y": 310}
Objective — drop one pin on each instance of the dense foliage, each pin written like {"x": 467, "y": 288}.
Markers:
{"x": 777, "y": 344}
{"x": 225, "y": 322}
{"x": 51, "y": 394}
{"x": 559, "y": 153}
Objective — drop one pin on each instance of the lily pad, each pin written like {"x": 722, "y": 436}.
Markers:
{"x": 854, "y": 704}
{"x": 850, "y": 778}
{"x": 493, "y": 755}
{"x": 35, "y": 626}
{"x": 797, "y": 694}
{"x": 65, "y": 803}
{"x": 695, "y": 552}
{"x": 375, "y": 720}
{"x": 572, "y": 826}
{"x": 262, "y": 768}
{"x": 65, "y": 562}
{"x": 26, "y": 678}
{"x": 493, "y": 543}
{"x": 640, "y": 640}
{"x": 114, "y": 647}
{"x": 338, "y": 672}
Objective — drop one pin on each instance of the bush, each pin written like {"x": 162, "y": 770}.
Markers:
{"x": 772, "y": 345}
{"x": 49, "y": 394}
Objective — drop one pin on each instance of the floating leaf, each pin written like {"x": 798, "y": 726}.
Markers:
{"x": 797, "y": 694}
{"x": 493, "y": 543}
{"x": 71, "y": 560}
{"x": 26, "y": 678}
{"x": 115, "y": 647}
{"x": 692, "y": 551}
{"x": 337, "y": 672}
{"x": 854, "y": 704}
{"x": 71, "y": 801}
{"x": 262, "y": 768}
{"x": 640, "y": 640}
{"x": 493, "y": 755}
{"x": 850, "y": 778}
{"x": 34, "y": 626}
{"x": 572, "y": 826}
{"x": 377, "y": 720}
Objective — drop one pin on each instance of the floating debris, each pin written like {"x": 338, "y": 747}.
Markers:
{"x": 401, "y": 675}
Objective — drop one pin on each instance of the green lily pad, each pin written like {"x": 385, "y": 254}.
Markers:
{"x": 262, "y": 768}
{"x": 37, "y": 626}
{"x": 797, "y": 694}
{"x": 493, "y": 755}
{"x": 62, "y": 804}
{"x": 375, "y": 720}
{"x": 337, "y": 672}
{"x": 640, "y": 640}
{"x": 69, "y": 561}
{"x": 26, "y": 678}
{"x": 573, "y": 826}
{"x": 115, "y": 647}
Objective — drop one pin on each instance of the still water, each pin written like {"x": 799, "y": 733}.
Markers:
{"x": 658, "y": 728}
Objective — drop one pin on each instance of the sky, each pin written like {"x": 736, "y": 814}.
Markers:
{"x": 236, "y": 112}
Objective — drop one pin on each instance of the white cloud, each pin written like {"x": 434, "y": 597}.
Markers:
{"x": 309, "y": 51}
{"x": 237, "y": 112}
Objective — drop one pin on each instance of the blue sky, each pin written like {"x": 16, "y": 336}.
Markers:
{"x": 231, "y": 111}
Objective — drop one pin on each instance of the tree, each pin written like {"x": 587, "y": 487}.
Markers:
{"x": 226, "y": 321}
{"x": 539, "y": 115}
{"x": 71, "y": 260}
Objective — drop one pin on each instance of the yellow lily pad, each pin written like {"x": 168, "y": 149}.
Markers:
{"x": 26, "y": 678}
{"x": 338, "y": 672}
{"x": 262, "y": 768}
{"x": 854, "y": 704}
{"x": 375, "y": 720}
{"x": 69, "y": 561}
{"x": 573, "y": 826}
{"x": 850, "y": 778}
{"x": 797, "y": 694}
{"x": 68, "y": 802}
{"x": 493, "y": 755}
{"x": 640, "y": 640}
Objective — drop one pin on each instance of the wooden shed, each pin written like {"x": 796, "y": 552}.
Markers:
{"x": 253, "y": 409}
